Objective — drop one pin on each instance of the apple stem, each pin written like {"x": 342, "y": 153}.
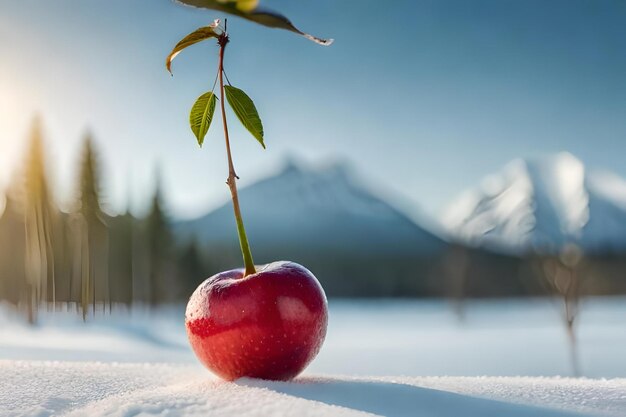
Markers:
{"x": 232, "y": 175}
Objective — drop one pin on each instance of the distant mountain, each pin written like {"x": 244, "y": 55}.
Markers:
{"x": 543, "y": 204}
{"x": 311, "y": 209}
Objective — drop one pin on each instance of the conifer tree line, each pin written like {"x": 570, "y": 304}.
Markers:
{"x": 83, "y": 258}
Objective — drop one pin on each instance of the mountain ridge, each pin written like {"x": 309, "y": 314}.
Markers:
{"x": 542, "y": 204}
{"x": 314, "y": 207}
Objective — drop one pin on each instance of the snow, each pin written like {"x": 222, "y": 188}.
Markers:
{"x": 607, "y": 196}
{"x": 498, "y": 212}
{"x": 560, "y": 198}
{"x": 609, "y": 186}
{"x": 545, "y": 204}
{"x": 99, "y": 389}
{"x": 380, "y": 358}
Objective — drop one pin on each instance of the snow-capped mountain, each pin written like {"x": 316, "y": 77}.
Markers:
{"x": 543, "y": 204}
{"x": 315, "y": 208}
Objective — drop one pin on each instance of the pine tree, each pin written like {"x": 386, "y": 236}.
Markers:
{"x": 122, "y": 258}
{"x": 12, "y": 262}
{"x": 91, "y": 252}
{"x": 162, "y": 284}
{"x": 192, "y": 267}
{"x": 39, "y": 215}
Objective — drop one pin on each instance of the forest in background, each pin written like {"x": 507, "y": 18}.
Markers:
{"x": 85, "y": 259}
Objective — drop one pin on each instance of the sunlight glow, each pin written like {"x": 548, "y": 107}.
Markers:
{"x": 12, "y": 125}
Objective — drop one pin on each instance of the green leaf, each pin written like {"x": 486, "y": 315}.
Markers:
{"x": 250, "y": 10}
{"x": 204, "y": 33}
{"x": 246, "y": 112}
{"x": 201, "y": 115}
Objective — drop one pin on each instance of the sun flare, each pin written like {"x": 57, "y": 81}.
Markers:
{"x": 13, "y": 121}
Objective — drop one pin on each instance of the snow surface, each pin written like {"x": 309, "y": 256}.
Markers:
{"x": 543, "y": 204}
{"x": 101, "y": 389}
{"x": 136, "y": 364}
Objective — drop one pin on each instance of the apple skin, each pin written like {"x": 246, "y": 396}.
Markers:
{"x": 268, "y": 325}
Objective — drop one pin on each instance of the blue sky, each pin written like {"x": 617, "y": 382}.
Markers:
{"x": 422, "y": 98}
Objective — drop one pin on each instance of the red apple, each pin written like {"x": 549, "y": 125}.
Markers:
{"x": 267, "y": 325}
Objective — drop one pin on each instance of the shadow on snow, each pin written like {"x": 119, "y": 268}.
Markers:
{"x": 399, "y": 400}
